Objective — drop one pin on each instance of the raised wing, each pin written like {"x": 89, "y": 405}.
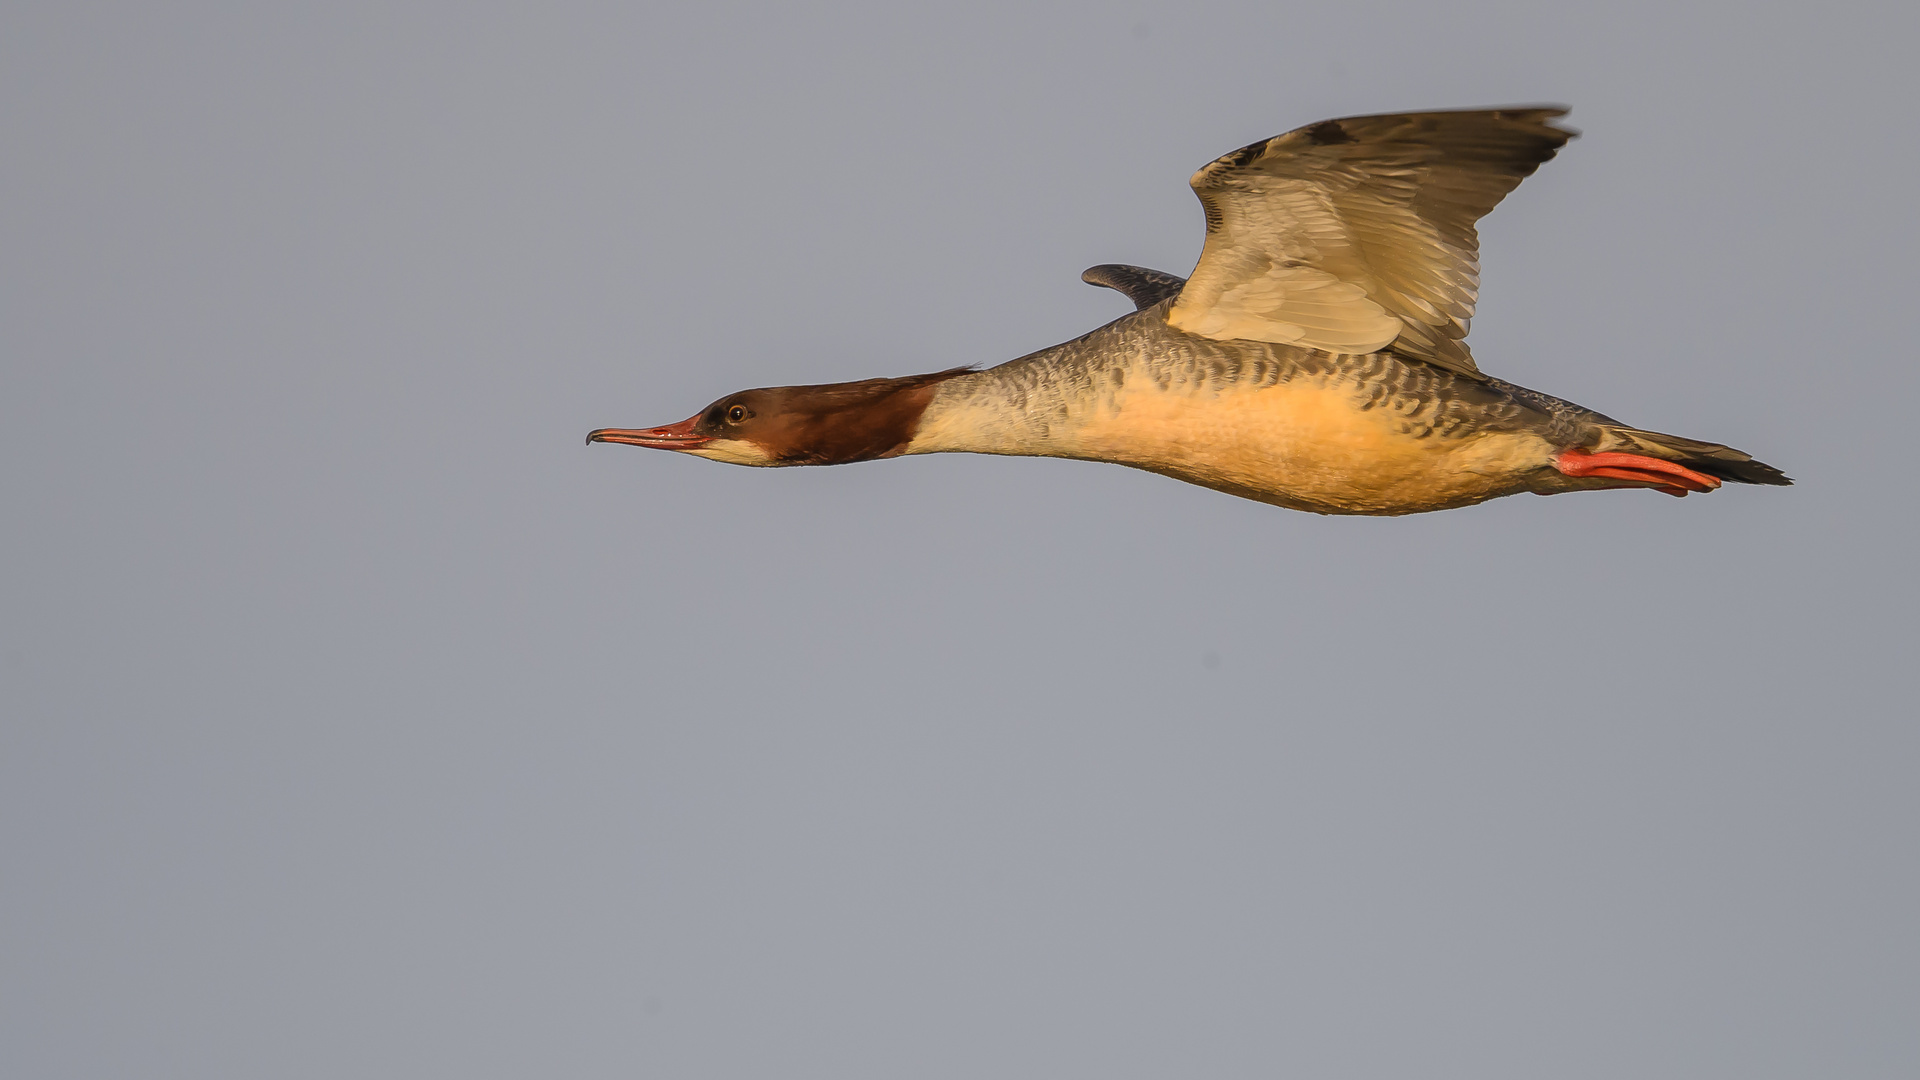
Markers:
{"x": 1358, "y": 234}
{"x": 1142, "y": 286}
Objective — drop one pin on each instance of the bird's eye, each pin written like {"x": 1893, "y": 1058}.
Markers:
{"x": 736, "y": 414}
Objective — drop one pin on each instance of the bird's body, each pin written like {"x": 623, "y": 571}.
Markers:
{"x": 1301, "y": 428}
{"x": 1316, "y": 360}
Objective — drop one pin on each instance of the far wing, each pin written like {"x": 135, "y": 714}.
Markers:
{"x": 1142, "y": 286}
{"x": 1358, "y": 234}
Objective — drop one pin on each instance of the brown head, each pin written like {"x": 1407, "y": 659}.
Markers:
{"x": 798, "y": 425}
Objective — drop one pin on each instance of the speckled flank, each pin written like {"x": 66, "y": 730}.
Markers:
{"x": 1369, "y": 434}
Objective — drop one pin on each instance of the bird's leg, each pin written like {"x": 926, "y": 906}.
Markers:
{"x": 1672, "y": 478}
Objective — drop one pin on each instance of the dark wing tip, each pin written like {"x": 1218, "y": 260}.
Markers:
{"x": 1534, "y": 120}
{"x": 1539, "y": 116}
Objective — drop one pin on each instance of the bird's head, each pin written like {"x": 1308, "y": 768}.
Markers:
{"x": 797, "y": 425}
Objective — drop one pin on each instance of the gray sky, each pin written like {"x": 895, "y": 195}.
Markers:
{"x": 360, "y": 721}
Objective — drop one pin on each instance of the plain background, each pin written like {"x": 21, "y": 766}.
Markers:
{"x": 360, "y": 721}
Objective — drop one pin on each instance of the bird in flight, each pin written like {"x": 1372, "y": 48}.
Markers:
{"x": 1316, "y": 358}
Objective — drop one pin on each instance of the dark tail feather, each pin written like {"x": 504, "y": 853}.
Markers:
{"x": 1741, "y": 472}
{"x": 1711, "y": 458}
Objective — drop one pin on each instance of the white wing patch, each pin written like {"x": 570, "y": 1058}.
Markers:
{"x": 1292, "y": 305}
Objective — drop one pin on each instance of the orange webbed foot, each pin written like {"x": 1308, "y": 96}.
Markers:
{"x": 1672, "y": 478}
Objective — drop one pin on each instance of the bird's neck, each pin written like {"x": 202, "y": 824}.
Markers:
{"x": 1031, "y": 406}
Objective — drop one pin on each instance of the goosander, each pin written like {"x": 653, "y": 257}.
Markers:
{"x": 1316, "y": 358}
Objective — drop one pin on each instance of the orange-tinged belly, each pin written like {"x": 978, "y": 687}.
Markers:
{"x": 1306, "y": 443}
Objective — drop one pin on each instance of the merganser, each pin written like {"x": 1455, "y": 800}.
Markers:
{"x": 1316, "y": 358}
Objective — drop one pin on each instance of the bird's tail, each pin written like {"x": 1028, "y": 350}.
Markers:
{"x": 1723, "y": 462}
